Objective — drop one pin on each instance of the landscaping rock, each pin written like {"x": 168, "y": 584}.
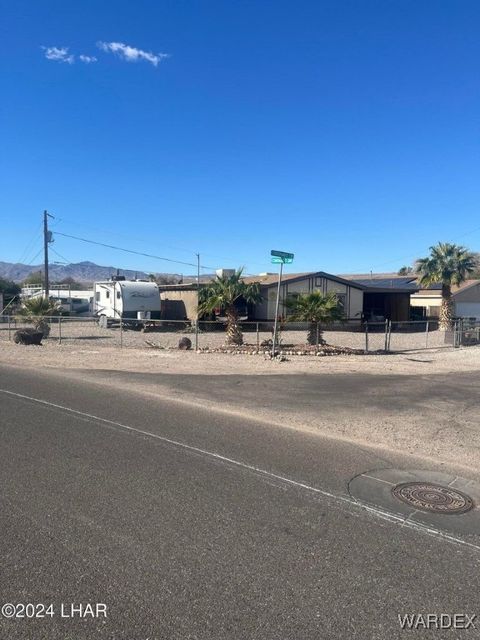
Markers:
{"x": 184, "y": 344}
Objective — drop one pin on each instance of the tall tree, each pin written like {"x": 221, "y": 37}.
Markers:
{"x": 448, "y": 264}
{"x": 223, "y": 293}
{"x": 36, "y": 277}
{"x": 315, "y": 308}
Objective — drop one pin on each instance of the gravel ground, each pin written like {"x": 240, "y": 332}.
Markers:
{"x": 86, "y": 345}
{"x": 87, "y": 331}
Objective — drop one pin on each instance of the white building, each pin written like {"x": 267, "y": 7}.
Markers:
{"x": 74, "y": 302}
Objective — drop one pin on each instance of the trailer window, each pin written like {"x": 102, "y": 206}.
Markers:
{"x": 97, "y": 296}
{"x": 119, "y": 295}
{"x": 107, "y": 294}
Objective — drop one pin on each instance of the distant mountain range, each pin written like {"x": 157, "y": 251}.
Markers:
{"x": 86, "y": 272}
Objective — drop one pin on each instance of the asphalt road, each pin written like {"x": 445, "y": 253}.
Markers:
{"x": 190, "y": 524}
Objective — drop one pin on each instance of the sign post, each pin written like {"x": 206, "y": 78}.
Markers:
{"x": 279, "y": 257}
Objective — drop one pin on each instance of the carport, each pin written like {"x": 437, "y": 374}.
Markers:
{"x": 386, "y": 305}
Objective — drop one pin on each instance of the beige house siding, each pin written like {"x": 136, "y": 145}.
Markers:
{"x": 467, "y": 301}
{"x": 353, "y": 296}
{"x": 179, "y": 305}
{"x": 355, "y": 303}
{"x": 429, "y": 301}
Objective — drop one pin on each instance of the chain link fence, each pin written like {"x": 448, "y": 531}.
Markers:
{"x": 294, "y": 337}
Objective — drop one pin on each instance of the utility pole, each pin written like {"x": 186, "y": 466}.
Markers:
{"x": 45, "y": 252}
{"x": 198, "y": 300}
{"x": 47, "y": 237}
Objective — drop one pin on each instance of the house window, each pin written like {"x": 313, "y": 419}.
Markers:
{"x": 342, "y": 301}
{"x": 318, "y": 281}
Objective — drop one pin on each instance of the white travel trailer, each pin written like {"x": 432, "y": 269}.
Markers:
{"x": 134, "y": 301}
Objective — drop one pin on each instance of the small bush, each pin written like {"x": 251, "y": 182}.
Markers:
{"x": 28, "y": 336}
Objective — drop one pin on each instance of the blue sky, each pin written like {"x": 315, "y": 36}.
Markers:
{"x": 346, "y": 132}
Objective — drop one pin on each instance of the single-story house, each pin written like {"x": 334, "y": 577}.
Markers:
{"x": 426, "y": 302}
{"x": 361, "y": 297}
{"x": 371, "y": 299}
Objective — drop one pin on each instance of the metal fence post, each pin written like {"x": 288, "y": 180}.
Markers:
{"x": 196, "y": 333}
{"x": 60, "y": 330}
{"x": 9, "y": 328}
{"x": 258, "y": 336}
{"x": 366, "y": 337}
{"x": 426, "y": 334}
{"x": 386, "y": 336}
{"x": 317, "y": 339}
{"x": 121, "y": 333}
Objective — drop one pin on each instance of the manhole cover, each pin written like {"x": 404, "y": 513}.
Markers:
{"x": 434, "y": 498}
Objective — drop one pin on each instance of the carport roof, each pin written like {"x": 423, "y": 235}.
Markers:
{"x": 384, "y": 282}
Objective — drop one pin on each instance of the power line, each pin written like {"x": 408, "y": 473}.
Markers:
{"x": 31, "y": 244}
{"x": 118, "y": 235}
{"x": 138, "y": 253}
{"x": 35, "y": 257}
{"x": 60, "y": 255}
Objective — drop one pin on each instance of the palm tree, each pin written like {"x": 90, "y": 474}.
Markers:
{"x": 405, "y": 271}
{"x": 314, "y": 308}
{"x": 448, "y": 264}
{"x": 223, "y": 293}
{"x": 36, "y": 310}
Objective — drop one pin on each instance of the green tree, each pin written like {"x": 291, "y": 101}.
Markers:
{"x": 34, "y": 278}
{"x": 315, "y": 308}
{"x": 222, "y": 294}
{"x": 73, "y": 284}
{"x": 36, "y": 310}
{"x": 405, "y": 271}
{"x": 10, "y": 291}
{"x": 448, "y": 264}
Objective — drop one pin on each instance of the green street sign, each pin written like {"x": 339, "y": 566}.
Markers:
{"x": 277, "y": 260}
{"x": 282, "y": 254}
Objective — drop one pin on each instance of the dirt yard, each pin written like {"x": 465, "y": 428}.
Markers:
{"x": 427, "y": 399}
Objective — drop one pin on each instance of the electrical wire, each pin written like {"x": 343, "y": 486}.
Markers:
{"x": 129, "y": 237}
{"x": 138, "y": 253}
{"x": 60, "y": 255}
{"x": 30, "y": 244}
{"x": 35, "y": 257}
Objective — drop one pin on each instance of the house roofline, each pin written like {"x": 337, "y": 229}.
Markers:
{"x": 316, "y": 274}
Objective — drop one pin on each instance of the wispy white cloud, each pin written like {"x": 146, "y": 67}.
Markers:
{"x": 87, "y": 59}
{"x": 132, "y": 54}
{"x": 58, "y": 54}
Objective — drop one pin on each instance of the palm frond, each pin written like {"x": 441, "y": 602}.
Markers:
{"x": 315, "y": 307}
{"x": 448, "y": 264}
